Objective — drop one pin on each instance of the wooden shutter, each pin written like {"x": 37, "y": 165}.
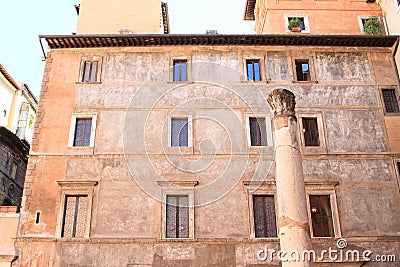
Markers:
{"x": 177, "y": 217}
{"x": 75, "y": 216}
{"x": 264, "y": 216}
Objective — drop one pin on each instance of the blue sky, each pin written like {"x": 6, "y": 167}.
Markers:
{"x": 24, "y": 20}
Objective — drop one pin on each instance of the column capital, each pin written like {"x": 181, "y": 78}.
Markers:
{"x": 282, "y": 102}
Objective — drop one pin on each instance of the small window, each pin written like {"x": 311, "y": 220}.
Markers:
{"x": 89, "y": 71}
{"x": 371, "y": 25}
{"x": 37, "y": 217}
{"x": 321, "y": 216}
{"x": 264, "y": 216}
{"x": 179, "y": 132}
{"x": 75, "y": 215}
{"x": 180, "y": 70}
{"x": 390, "y": 100}
{"x": 253, "y": 70}
{"x": 5, "y": 113}
{"x": 13, "y": 170}
{"x": 302, "y": 22}
{"x": 83, "y": 129}
{"x": 258, "y": 133}
{"x": 310, "y": 131}
{"x": 177, "y": 216}
{"x": 302, "y": 70}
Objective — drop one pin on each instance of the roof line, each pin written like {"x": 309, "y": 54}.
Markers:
{"x": 8, "y": 77}
{"x": 146, "y": 40}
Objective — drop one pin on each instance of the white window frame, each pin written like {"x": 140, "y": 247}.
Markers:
{"x": 84, "y": 59}
{"x": 304, "y": 16}
{"x": 76, "y": 116}
{"x": 255, "y": 188}
{"x": 322, "y": 143}
{"x": 189, "y": 118}
{"x": 75, "y": 188}
{"x": 268, "y": 125}
{"x": 324, "y": 189}
{"x": 254, "y": 56}
{"x": 171, "y": 188}
{"x": 361, "y": 24}
{"x": 188, "y": 68}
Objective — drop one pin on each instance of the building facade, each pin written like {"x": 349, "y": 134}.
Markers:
{"x": 318, "y": 17}
{"x": 161, "y": 151}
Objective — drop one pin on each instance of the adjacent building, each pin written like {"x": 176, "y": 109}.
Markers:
{"x": 158, "y": 149}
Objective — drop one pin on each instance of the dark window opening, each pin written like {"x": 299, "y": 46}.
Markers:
{"x": 302, "y": 25}
{"x": 37, "y": 218}
{"x": 310, "y": 131}
{"x": 258, "y": 133}
{"x": 264, "y": 216}
{"x": 89, "y": 71}
{"x": 398, "y": 167}
{"x": 321, "y": 216}
{"x": 179, "y": 132}
{"x": 302, "y": 70}
{"x": 390, "y": 100}
{"x": 177, "y": 216}
{"x": 83, "y": 128}
{"x": 75, "y": 216}
{"x": 253, "y": 70}
{"x": 180, "y": 71}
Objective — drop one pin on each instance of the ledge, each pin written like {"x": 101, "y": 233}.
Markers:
{"x": 77, "y": 183}
{"x": 178, "y": 183}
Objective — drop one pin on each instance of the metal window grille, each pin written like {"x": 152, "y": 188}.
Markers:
{"x": 180, "y": 70}
{"x": 302, "y": 70}
{"x": 179, "y": 132}
{"x": 83, "y": 128}
{"x": 253, "y": 70}
{"x": 90, "y": 71}
{"x": 177, "y": 216}
{"x": 310, "y": 131}
{"x": 258, "y": 132}
{"x": 390, "y": 100}
{"x": 264, "y": 216}
{"x": 321, "y": 216}
{"x": 75, "y": 216}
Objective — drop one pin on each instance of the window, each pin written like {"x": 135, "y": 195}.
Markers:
{"x": 75, "y": 216}
{"x": 304, "y": 26}
{"x": 89, "y": 71}
{"x": 180, "y": 70}
{"x": 13, "y": 170}
{"x": 253, "y": 69}
{"x": 321, "y": 216}
{"x": 177, "y": 216}
{"x": 370, "y": 25}
{"x": 258, "y": 134}
{"x": 390, "y": 100}
{"x": 179, "y": 132}
{"x": 302, "y": 70}
{"x": 264, "y": 216}
{"x": 310, "y": 131}
{"x": 82, "y": 130}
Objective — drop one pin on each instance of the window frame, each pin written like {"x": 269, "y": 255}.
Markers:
{"x": 320, "y": 189}
{"x": 74, "y": 118}
{"x": 290, "y": 16}
{"x": 361, "y": 23}
{"x": 268, "y": 130}
{"x": 310, "y": 60}
{"x": 254, "y": 218}
{"x": 71, "y": 188}
{"x": 178, "y": 188}
{"x": 261, "y": 59}
{"x": 252, "y": 64}
{"x": 189, "y": 118}
{"x": 321, "y": 133}
{"x": 84, "y": 59}
{"x": 188, "y": 60}
{"x": 397, "y": 95}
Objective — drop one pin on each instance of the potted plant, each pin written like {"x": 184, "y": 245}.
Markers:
{"x": 295, "y": 25}
{"x": 372, "y": 26}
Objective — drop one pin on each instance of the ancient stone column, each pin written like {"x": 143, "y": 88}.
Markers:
{"x": 293, "y": 225}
